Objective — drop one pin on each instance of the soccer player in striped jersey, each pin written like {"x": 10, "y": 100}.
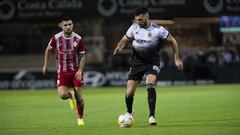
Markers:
{"x": 146, "y": 38}
{"x": 70, "y": 58}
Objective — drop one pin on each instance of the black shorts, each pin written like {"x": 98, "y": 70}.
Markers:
{"x": 136, "y": 73}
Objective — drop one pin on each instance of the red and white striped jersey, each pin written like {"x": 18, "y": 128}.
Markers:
{"x": 67, "y": 51}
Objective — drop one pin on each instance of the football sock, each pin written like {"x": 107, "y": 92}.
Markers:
{"x": 129, "y": 103}
{"x": 80, "y": 109}
{"x": 151, "y": 98}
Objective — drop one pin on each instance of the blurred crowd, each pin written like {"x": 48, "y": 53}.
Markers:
{"x": 199, "y": 44}
{"x": 192, "y": 56}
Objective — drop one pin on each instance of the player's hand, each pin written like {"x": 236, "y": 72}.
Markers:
{"x": 117, "y": 50}
{"x": 79, "y": 76}
{"x": 179, "y": 64}
{"x": 44, "y": 70}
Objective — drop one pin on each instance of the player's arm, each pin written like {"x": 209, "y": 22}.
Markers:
{"x": 81, "y": 66}
{"x": 174, "y": 44}
{"x": 121, "y": 44}
{"x": 48, "y": 52}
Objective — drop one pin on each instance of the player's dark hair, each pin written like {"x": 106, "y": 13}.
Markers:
{"x": 140, "y": 10}
{"x": 65, "y": 18}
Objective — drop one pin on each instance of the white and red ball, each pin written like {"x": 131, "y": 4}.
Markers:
{"x": 125, "y": 120}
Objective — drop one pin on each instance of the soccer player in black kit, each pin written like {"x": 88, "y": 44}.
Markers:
{"x": 145, "y": 36}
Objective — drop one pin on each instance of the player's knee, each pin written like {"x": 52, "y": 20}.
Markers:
{"x": 150, "y": 86}
{"x": 63, "y": 96}
{"x": 130, "y": 93}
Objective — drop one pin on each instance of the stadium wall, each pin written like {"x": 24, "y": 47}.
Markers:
{"x": 33, "y": 79}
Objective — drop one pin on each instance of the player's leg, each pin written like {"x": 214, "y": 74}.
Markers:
{"x": 80, "y": 105}
{"x": 151, "y": 78}
{"x": 150, "y": 85}
{"x": 63, "y": 89}
{"x": 135, "y": 76}
{"x": 131, "y": 88}
{"x": 80, "y": 102}
{"x": 64, "y": 93}
{"x": 79, "y": 99}
{"x": 62, "y": 86}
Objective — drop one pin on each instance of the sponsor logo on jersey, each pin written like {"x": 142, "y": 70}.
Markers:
{"x": 139, "y": 41}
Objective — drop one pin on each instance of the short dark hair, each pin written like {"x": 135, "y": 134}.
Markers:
{"x": 65, "y": 18}
{"x": 140, "y": 10}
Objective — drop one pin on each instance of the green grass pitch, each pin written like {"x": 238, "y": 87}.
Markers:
{"x": 180, "y": 110}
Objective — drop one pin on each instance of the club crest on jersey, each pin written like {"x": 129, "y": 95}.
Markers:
{"x": 75, "y": 44}
{"x": 149, "y": 34}
{"x": 136, "y": 33}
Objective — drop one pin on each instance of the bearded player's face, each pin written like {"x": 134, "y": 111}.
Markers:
{"x": 67, "y": 26}
{"x": 142, "y": 20}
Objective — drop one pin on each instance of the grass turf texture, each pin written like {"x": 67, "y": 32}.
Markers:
{"x": 180, "y": 110}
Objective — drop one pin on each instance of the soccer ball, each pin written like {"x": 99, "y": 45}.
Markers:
{"x": 125, "y": 120}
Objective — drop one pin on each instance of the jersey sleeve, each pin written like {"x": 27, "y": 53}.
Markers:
{"x": 81, "y": 46}
{"x": 163, "y": 33}
{"x": 53, "y": 42}
{"x": 129, "y": 32}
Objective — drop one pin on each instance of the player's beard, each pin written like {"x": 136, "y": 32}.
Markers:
{"x": 143, "y": 25}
